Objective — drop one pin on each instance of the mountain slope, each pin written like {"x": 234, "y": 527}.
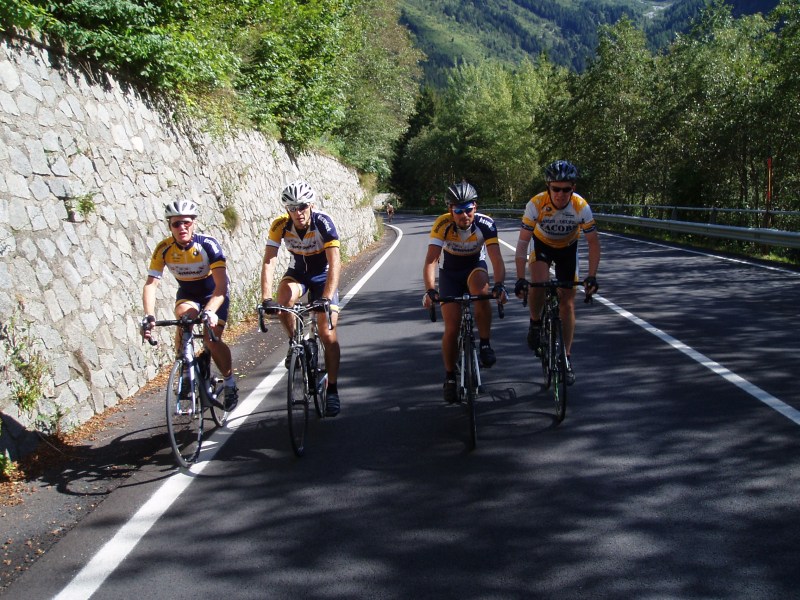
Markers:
{"x": 453, "y": 31}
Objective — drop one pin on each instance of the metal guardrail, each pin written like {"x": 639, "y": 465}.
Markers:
{"x": 756, "y": 235}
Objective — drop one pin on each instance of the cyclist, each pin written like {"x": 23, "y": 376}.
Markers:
{"x": 555, "y": 218}
{"x": 312, "y": 240}
{"x": 466, "y": 237}
{"x": 198, "y": 264}
{"x": 389, "y": 212}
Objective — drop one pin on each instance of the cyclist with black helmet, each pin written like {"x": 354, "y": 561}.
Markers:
{"x": 313, "y": 243}
{"x": 554, "y": 219}
{"x": 198, "y": 264}
{"x": 465, "y": 238}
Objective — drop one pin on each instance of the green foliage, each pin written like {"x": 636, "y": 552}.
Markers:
{"x": 29, "y": 367}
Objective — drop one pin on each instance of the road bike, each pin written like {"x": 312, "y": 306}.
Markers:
{"x": 468, "y": 366}
{"x": 191, "y": 390}
{"x": 553, "y": 353}
{"x": 307, "y": 380}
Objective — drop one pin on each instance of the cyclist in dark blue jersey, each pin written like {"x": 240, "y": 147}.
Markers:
{"x": 198, "y": 264}
{"x": 313, "y": 244}
{"x": 463, "y": 238}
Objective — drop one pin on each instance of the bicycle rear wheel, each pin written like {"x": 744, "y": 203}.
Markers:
{"x": 184, "y": 417}
{"x": 471, "y": 390}
{"x": 315, "y": 375}
{"x": 559, "y": 372}
{"x": 297, "y": 403}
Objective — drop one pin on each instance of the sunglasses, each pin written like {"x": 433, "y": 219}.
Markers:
{"x": 179, "y": 224}
{"x": 461, "y": 211}
{"x": 297, "y": 207}
{"x": 556, "y": 189}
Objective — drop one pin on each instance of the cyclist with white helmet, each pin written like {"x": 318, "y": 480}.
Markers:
{"x": 198, "y": 264}
{"x": 313, "y": 243}
{"x": 465, "y": 238}
{"x": 554, "y": 219}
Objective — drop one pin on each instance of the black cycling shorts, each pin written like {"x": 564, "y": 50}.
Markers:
{"x": 565, "y": 259}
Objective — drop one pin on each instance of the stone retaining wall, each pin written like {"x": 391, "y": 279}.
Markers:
{"x": 85, "y": 169}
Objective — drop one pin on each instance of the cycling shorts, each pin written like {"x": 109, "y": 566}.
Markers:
{"x": 314, "y": 285}
{"x": 455, "y": 282}
{"x": 565, "y": 259}
{"x": 222, "y": 312}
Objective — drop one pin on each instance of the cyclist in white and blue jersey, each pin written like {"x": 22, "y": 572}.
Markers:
{"x": 198, "y": 264}
{"x": 464, "y": 237}
{"x": 313, "y": 243}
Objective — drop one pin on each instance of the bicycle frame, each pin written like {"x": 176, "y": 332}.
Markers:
{"x": 304, "y": 346}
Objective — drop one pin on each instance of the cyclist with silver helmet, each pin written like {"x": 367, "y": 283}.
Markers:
{"x": 313, "y": 243}
{"x": 465, "y": 238}
{"x": 555, "y": 219}
{"x": 198, "y": 264}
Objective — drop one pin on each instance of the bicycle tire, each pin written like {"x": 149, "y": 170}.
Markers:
{"x": 315, "y": 376}
{"x": 218, "y": 414}
{"x": 559, "y": 372}
{"x": 471, "y": 390}
{"x": 184, "y": 419}
{"x": 546, "y": 344}
{"x": 297, "y": 403}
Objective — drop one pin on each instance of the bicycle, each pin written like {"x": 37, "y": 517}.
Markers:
{"x": 551, "y": 343}
{"x": 467, "y": 365}
{"x": 307, "y": 380}
{"x": 191, "y": 390}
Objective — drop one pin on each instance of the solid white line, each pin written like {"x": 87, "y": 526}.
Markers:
{"x": 755, "y": 391}
{"x": 111, "y": 555}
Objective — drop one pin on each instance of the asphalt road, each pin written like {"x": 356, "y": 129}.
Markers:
{"x": 674, "y": 475}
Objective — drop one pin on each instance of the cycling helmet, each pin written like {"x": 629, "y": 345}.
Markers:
{"x": 561, "y": 170}
{"x": 180, "y": 208}
{"x": 461, "y": 193}
{"x": 297, "y": 192}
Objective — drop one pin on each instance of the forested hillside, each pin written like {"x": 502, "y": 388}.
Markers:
{"x": 451, "y": 32}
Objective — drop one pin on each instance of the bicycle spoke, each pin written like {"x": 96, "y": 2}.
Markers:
{"x": 184, "y": 417}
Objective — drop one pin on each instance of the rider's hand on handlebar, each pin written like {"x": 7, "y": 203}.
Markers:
{"x": 270, "y": 306}
{"x": 499, "y": 292}
{"x": 590, "y": 287}
{"x": 521, "y": 288}
{"x": 430, "y": 298}
{"x": 146, "y": 326}
{"x": 211, "y": 317}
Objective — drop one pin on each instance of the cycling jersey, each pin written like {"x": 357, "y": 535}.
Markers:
{"x": 191, "y": 266}
{"x": 463, "y": 248}
{"x": 306, "y": 247}
{"x": 558, "y": 228}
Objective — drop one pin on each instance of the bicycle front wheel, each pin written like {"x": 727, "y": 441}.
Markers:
{"x": 471, "y": 390}
{"x": 218, "y": 414}
{"x": 547, "y": 350}
{"x": 297, "y": 403}
{"x": 559, "y": 372}
{"x": 184, "y": 416}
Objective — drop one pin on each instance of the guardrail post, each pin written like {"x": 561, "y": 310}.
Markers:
{"x": 645, "y": 211}
{"x": 674, "y": 216}
{"x": 713, "y": 217}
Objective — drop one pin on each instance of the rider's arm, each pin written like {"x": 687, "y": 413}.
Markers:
{"x": 593, "y": 242}
{"x": 220, "y": 276}
{"x": 521, "y": 254}
{"x": 149, "y": 295}
{"x": 334, "y": 268}
{"x": 268, "y": 271}
{"x": 429, "y": 270}
{"x": 498, "y": 266}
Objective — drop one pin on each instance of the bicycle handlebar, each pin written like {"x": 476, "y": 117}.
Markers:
{"x": 185, "y": 321}
{"x": 553, "y": 284}
{"x": 465, "y": 299}
{"x": 298, "y": 310}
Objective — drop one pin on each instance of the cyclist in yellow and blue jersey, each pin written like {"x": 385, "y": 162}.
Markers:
{"x": 198, "y": 264}
{"x": 555, "y": 219}
{"x": 463, "y": 238}
{"x": 313, "y": 244}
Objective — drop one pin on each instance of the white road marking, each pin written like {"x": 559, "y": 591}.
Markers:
{"x": 111, "y": 555}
